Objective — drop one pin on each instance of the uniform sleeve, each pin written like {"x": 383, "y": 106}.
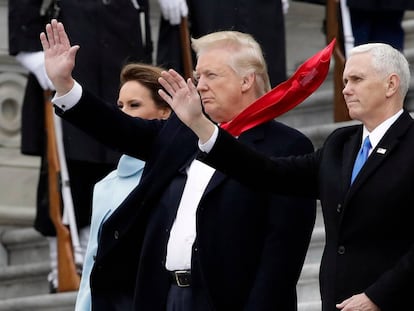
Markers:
{"x": 25, "y": 25}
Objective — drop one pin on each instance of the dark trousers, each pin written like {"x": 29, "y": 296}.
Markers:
{"x": 378, "y": 26}
{"x": 183, "y": 299}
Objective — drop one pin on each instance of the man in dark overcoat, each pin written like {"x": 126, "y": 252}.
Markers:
{"x": 188, "y": 237}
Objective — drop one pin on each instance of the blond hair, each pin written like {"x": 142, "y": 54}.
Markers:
{"x": 246, "y": 57}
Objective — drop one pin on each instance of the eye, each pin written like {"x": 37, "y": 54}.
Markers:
{"x": 135, "y": 105}
{"x": 120, "y": 105}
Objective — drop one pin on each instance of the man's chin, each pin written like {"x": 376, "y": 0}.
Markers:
{"x": 353, "y": 115}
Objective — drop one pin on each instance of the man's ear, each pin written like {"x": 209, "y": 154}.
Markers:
{"x": 248, "y": 81}
{"x": 393, "y": 85}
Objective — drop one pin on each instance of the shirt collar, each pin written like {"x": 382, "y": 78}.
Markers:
{"x": 376, "y": 135}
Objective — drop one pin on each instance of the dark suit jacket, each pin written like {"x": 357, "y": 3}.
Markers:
{"x": 369, "y": 225}
{"x": 247, "y": 254}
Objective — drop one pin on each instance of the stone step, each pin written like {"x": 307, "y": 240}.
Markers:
{"x": 316, "y": 246}
{"x": 15, "y": 215}
{"x": 18, "y": 179}
{"x": 24, "y": 280}
{"x": 24, "y": 246}
{"x": 308, "y": 284}
{"x": 310, "y": 306}
{"x": 24, "y": 263}
{"x": 49, "y": 302}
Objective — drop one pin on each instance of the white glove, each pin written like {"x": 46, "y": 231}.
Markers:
{"x": 35, "y": 63}
{"x": 285, "y": 6}
{"x": 173, "y": 10}
{"x": 135, "y": 4}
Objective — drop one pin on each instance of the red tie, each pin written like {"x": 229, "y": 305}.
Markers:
{"x": 285, "y": 96}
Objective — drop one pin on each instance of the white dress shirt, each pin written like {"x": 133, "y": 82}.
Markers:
{"x": 183, "y": 231}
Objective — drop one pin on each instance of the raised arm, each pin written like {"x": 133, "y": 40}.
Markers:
{"x": 59, "y": 56}
{"x": 184, "y": 99}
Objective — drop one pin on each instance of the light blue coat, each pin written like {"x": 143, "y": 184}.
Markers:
{"x": 107, "y": 196}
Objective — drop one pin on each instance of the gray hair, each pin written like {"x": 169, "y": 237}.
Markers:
{"x": 246, "y": 57}
{"x": 387, "y": 60}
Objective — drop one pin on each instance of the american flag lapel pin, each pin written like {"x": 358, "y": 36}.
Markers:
{"x": 381, "y": 150}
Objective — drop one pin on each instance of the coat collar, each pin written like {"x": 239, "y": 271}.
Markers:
{"x": 381, "y": 153}
{"x": 250, "y": 137}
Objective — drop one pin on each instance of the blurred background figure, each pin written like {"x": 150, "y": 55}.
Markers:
{"x": 378, "y": 21}
{"x": 108, "y": 42}
{"x": 264, "y": 19}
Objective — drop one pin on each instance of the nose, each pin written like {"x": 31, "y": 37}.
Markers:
{"x": 345, "y": 90}
{"x": 201, "y": 84}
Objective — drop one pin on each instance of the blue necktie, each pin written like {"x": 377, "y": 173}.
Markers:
{"x": 361, "y": 158}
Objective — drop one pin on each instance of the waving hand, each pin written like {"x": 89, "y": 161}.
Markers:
{"x": 184, "y": 99}
{"x": 59, "y": 56}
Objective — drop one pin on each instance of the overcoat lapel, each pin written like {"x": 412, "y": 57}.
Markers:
{"x": 157, "y": 173}
{"x": 250, "y": 137}
{"x": 382, "y": 151}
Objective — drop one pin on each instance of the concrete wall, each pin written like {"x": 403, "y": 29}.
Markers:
{"x": 12, "y": 84}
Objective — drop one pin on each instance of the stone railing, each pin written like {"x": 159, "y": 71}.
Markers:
{"x": 12, "y": 85}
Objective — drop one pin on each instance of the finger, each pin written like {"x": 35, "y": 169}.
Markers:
{"x": 64, "y": 39}
{"x": 167, "y": 83}
{"x": 191, "y": 85}
{"x": 165, "y": 96}
{"x": 168, "y": 77}
{"x": 49, "y": 33}
{"x": 56, "y": 37}
{"x": 343, "y": 303}
{"x": 178, "y": 78}
{"x": 44, "y": 42}
{"x": 73, "y": 50}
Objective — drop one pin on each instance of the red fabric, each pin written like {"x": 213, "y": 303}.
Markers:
{"x": 285, "y": 96}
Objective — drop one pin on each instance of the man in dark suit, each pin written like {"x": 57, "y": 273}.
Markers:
{"x": 188, "y": 237}
{"x": 368, "y": 260}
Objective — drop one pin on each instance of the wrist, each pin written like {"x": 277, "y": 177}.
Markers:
{"x": 63, "y": 86}
{"x": 203, "y": 128}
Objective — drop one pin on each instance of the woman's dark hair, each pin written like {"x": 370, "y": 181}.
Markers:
{"x": 147, "y": 75}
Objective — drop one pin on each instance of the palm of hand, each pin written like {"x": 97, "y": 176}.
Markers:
{"x": 187, "y": 104}
{"x": 59, "y": 56}
{"x": 58, "y": 61}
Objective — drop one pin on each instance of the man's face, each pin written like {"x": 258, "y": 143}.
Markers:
{"x": 364, "y": 89}
{"x": 219, "y": 85}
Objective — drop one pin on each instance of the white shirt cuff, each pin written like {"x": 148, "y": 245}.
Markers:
{"x": 208, "y": 145}
{"x": 70, "y": 99}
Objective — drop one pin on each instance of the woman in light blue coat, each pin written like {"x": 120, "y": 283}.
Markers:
{"x": 138, "y": 97}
